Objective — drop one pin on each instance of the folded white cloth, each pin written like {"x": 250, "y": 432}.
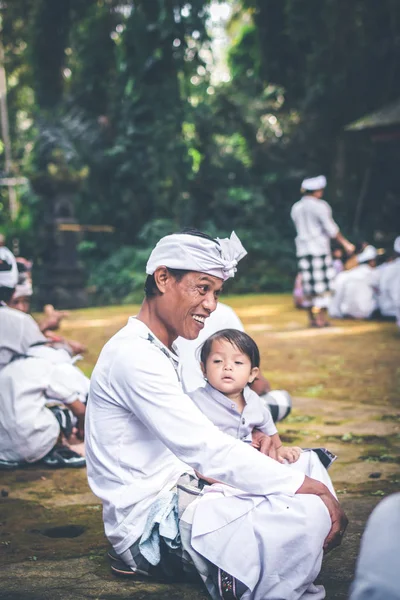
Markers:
{"x": 193, "y": 253}
{"x": 314, "y": 183}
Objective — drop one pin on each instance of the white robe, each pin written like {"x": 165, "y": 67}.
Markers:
{"x": 354, "y": 293}
{"x": 28, "y": 429}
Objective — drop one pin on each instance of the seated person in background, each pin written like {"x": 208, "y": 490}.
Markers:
{"x": 352, "y": 261}
{"x": 377, "y": 573}
{"x": 224, "y": 317}
{"x": 18, "y": 330}
{"x": 355, "y": 291}
{"x": 230, "y": 361}
{"x": 389, "y": 284}
{"x": 42, "y": 397}
{"x": 21, "y": 300}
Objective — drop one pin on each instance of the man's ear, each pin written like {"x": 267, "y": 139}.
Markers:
{"x": 162, "y": 277}
{"x": 253, "y": 374}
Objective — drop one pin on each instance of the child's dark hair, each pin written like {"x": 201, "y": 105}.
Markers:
{"x": 241, "y": 340}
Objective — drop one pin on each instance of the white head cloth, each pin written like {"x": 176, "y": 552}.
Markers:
{"x": 369, "y": 253}
{"x": 8, "y": 269}
{"x": 314, "y": 183}
{"x": 396, "y": 245}
{"x": 194, "y": 253}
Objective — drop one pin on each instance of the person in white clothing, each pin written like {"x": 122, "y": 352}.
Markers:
{"x": 315, "y": 229}
{"x": 29, "y": 430}
{"x": 377, "y": 573}
{"x": 145, "y": 438}
{"x": 389, "y": 284}
{"x": 34, "y": 391}
{"x": 355, "y": 291}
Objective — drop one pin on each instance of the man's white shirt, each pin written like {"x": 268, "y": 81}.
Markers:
{"x": 315, "y": 226}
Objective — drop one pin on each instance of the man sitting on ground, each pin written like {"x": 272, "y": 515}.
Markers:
{"x": 259, "y": 534}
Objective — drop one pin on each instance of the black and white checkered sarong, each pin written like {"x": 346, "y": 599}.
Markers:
{"x": 317, "y": 274}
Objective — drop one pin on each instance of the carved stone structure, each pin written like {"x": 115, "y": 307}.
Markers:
{"x": 62, "y": 278}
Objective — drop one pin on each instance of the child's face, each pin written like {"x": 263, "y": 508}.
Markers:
{"x": 227, "y": 369}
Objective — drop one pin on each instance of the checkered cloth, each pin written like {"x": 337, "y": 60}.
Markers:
{"x": 317, "y": 274}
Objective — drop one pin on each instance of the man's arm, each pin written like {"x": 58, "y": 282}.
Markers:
{"x": 148, "y": 387}
{"x": 347, "y": 246}
{"x": 332, "y": 229}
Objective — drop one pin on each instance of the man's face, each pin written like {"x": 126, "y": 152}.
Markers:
{"x": 186, "y": 304}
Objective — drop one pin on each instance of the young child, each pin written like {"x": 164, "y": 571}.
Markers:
{"x": 230, "y": 360}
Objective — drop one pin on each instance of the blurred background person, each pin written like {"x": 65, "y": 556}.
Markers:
{"x": 315, "y": 229}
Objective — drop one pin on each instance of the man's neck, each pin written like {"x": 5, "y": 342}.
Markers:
{"x": 149, "y": 316}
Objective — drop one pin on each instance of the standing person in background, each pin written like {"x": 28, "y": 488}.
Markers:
{"x": 315, "y": 228}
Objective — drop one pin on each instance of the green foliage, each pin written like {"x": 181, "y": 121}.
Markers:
{"x": 114, "y": 102}
{"x": 120, "y": 278}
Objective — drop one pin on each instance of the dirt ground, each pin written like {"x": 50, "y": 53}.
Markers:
{"x": 345, "y": 381}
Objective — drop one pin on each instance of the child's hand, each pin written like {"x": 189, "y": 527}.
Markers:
{"x": 290, "y": 454}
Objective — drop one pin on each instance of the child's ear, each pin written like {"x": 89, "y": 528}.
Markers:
{"x": 253, "y": 374}
{"x": 203, "y": 369}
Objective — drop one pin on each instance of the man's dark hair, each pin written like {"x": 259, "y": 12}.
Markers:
{"x": 241, "y": 340}
{"x": 6, "y": 293}
{"x": 150, "y": 286}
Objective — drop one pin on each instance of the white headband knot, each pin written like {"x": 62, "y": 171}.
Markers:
{"x": 193, "y": 253}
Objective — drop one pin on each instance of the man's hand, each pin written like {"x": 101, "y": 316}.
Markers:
{"x": 338, "y": 517}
